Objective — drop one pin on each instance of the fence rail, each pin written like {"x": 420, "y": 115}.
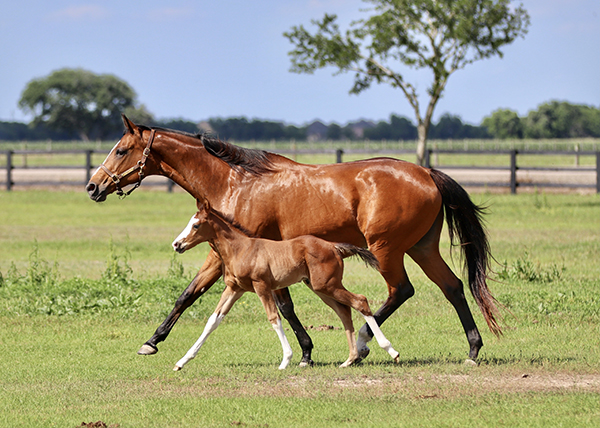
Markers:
{"x": 510, "y": 174}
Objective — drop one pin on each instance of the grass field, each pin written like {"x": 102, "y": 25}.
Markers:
{"x": 83, "y": 285}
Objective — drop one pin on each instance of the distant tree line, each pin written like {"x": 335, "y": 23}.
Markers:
{"x": 76, "y": 104}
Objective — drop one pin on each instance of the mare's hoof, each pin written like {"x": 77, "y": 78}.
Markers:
{"x": 362, "y": 354}
{"x": 397, "y": 359}
{"x": 147, "y": 350}
{"x": 470, "y": 362}
{"x": 306, "y": 363}
{"x": 176, "y": 368}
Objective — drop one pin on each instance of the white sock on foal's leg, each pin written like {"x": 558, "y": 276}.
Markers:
{"x": 381, "y": 339}
{"x": 287, "y": 349}
{"x": 211, "y": 325}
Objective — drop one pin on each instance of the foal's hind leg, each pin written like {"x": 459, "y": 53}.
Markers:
{"x": 345, "y": 315}
{"x": 427, "y": 255}
{"x": 333, "y": 288}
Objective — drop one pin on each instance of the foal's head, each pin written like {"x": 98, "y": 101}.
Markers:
{"x": 198, "y": 230}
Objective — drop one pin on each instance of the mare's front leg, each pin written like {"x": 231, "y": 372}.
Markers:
{"x": 209, "y": 273}
{"x": 228, "y": 298}
{"x": 286, "y": 307}
{"x": 266, "y": 297}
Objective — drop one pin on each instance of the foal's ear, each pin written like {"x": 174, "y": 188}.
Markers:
{"x": 129, "y": 125}
{"x": 203, "y": 204}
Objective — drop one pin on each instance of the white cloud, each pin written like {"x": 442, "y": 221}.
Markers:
{"x": 170, "y": 13}
{"x": 80, "y": 13}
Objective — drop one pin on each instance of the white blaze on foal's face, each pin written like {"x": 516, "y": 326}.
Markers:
{"x": 181, "y": 243}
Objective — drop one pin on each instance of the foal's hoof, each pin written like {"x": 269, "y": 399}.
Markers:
{"x": 177, "y": 368}
{"x": 147, "y": 350}
{"x": 470, "y": 362}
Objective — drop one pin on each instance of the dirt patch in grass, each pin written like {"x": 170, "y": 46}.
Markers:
{"x": 410, "y": 386}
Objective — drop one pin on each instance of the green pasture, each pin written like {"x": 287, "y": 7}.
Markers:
{"x": 84, "y": 285}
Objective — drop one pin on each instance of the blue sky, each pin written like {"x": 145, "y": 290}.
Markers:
{"x": 202, "y": 59}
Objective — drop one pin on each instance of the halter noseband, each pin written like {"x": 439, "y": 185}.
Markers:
{"x": 116, "y": 178}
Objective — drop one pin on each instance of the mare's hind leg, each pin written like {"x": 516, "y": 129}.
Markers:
{"x": 399, "y": 291}
{"x": 427, "y": 255}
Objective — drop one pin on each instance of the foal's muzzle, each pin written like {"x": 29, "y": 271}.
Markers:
{"x": 180, "y": 247}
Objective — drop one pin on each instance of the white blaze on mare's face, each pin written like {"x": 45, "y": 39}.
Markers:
{"x": 110, "y": 153}
{"x": 186, "y": 232}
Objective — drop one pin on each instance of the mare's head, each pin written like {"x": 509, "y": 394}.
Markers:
{"x": 126, "y": 164}
{"x": 198, "y": 230}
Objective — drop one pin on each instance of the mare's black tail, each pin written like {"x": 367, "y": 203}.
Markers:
{"x": 464, "y": 219}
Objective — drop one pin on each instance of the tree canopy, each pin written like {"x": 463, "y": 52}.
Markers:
{"x": 442, "y": 36}
{"x": 80, "y": 101}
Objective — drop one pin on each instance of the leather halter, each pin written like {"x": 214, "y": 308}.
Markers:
{"x": 116, "y": 178}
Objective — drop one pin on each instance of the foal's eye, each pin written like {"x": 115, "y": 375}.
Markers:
{"x": 196, "y": 226}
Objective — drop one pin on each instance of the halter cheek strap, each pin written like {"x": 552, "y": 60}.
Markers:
{"x": 116, "y": 178}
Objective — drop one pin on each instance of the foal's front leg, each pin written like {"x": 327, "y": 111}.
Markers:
{"x": 228, "y": 298}
{"x": 266, "y": 297}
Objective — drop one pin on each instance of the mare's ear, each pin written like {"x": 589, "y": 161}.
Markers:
{"x": 129, "y": 125}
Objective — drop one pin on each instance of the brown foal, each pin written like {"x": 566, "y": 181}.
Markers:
{"x": 261, "y": 266}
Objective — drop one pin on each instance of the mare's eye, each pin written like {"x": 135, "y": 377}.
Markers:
{"x": 121, "y": 152}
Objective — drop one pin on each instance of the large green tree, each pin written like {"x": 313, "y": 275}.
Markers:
{"x": 80, "y": 101}
{"x": 560, "y": 119}
{"x": 441, "y": 36}
{"x": 503, "y": 124}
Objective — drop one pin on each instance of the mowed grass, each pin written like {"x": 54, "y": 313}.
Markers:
{"x": 84, "y": 285}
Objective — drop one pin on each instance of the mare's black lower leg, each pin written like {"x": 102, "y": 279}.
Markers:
{"x": 429, "y": 259}
{"x": 457, "y": 298}
{"x": 401, "y": 294}
{"x": 204, "y": 279}
{"x": 286, "y": 307}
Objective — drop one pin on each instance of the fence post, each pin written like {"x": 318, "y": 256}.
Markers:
{"x": 88, "y": 165}
{"x": 597, "y": 172}
{"x": 513, "y": 172}
{"x": 338, "y": 155}
{"x": 427, "y": 158}
{"x": 170, "y": 186}
{"x": 9, "y": 167}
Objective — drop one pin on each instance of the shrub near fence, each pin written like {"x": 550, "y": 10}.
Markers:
{"x": 512, "y": 162}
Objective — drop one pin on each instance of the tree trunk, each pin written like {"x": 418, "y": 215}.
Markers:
{"x": 421, "y": 143}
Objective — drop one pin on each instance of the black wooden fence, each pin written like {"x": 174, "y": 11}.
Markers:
{"x": 511, "y": 166}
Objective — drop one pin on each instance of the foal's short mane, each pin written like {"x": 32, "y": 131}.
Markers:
{"x": 230, "y": 221}
{"x": 252, "y": 161}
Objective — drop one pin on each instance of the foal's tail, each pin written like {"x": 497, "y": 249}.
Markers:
{"x": 348, "y": 250}
{"x": 464, "y": 219}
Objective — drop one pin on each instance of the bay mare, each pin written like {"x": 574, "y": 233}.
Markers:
{"x": 390, "y": 206}
{"x": 262, "y": 266}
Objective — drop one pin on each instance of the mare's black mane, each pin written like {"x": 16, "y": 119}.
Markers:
{"x": 252, "y": 161}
